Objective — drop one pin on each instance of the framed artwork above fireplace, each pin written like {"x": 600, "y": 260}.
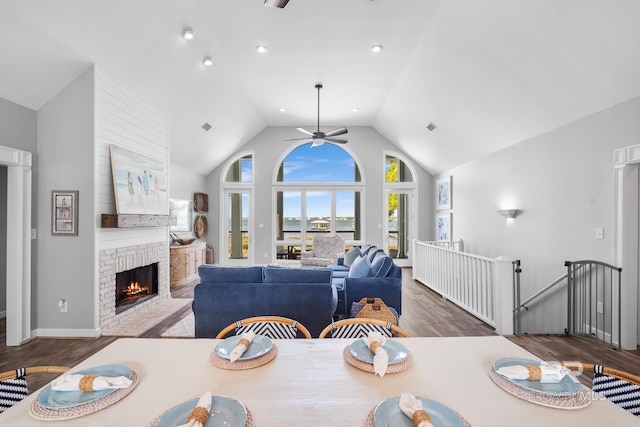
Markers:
{"x": 139, "y": 183}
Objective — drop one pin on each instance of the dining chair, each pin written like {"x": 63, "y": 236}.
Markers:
{"x": 360, "y": 327}
{"x": 274, "y": 327}
{"x": 620, "y": 387}
{"x": 13, "y": 384}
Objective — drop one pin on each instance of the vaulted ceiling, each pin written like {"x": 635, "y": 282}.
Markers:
{"x": 488, "y": 73}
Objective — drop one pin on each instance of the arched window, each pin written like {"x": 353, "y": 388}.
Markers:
{"x": 399, "y": 194}
{"x": 240, "y": 170}
{"x": 317, "y": 190}
{"x": 237, "y": 211}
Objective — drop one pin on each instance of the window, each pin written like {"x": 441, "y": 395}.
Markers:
{"x": 241, "y": 170}
{"x": 399, "y": 192}
{"x": 317, "y": 190}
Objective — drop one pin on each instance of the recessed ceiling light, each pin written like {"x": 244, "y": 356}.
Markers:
{"x": 355, "y": 109}
{"x": 282, "y": 110}
{"x": 377, "y": 48}
{"x": 261, "y": 49}
{"x": 187, "y": 33}
{"x": 207, "y": 61}
{"x": 431, "y": 126}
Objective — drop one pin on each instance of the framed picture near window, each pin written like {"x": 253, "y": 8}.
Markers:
{"x": 64, "y": 206}
{"x": 443, "y": 227}
{"x": 443, "y": 193}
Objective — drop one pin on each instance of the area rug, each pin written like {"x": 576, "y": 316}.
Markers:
{"x": 184, "y": 328}
{"x": 145, "y": 319}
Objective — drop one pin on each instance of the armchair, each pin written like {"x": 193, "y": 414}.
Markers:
{"x": 325, "y": 251}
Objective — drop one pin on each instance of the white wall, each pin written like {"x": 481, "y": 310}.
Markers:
{"x": 366, "y": 145}
{"x": 563, "y": 183}
{"x": 65, "y": 267}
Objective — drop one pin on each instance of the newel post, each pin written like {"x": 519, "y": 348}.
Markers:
{"x": 503, "y": 295}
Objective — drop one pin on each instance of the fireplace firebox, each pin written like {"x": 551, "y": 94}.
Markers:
{"x": 135, "y": 286}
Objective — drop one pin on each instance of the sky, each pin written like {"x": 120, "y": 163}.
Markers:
{"x": 326, "y": 163}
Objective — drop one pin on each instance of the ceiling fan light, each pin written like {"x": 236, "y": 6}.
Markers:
{"x": 187, "y": 33}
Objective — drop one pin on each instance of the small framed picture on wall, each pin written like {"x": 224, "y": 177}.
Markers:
{"x": 443, "y": 193}
{"x": 443, "y": 227}
{"x": 64, "y": 207}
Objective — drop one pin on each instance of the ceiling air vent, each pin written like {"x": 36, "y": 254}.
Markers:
{"x": 206, "y": 126}
{"x": 431, "y": 126}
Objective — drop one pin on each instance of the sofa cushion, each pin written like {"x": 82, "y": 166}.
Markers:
{"x": 360, "y": 268}
{"x": 297, "y": 275}
{"x": 381, "y": 265}
{"x": 216, "y": 274}
{"x": 351, "y": 255}
{"x": 373, "y": 252}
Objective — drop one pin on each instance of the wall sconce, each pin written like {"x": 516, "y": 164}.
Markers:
{"x": 509, "y": 213}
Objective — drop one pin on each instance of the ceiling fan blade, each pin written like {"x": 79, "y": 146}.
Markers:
{"x": 305, "y": 131}
{"x": 296, "y": 139}
{"x": 336, "y": 132}
{"x": 337, "y": 140}
{"x": 276, "y": 3}
{"x": 317, "y": 142}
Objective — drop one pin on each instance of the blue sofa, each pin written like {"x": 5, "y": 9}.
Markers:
{"x": 228, "y": 294}
{"x": 382, "y": 280}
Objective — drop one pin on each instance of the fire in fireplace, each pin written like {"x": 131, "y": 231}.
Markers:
{"x": 135, "y": 286}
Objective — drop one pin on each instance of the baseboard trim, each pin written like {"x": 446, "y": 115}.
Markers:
{"x": 65, "y": 333}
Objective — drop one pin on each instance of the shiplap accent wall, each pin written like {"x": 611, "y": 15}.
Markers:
{"x": 125, "y": 118}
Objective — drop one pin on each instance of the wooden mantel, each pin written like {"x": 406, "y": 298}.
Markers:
{"x": 137, "y": 221}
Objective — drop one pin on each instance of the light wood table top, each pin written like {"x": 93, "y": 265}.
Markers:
{"x": 309, "y": 383}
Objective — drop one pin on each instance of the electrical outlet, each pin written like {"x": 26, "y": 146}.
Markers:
{"x": 62, "y": 304}
{"x": 599, "y": 233}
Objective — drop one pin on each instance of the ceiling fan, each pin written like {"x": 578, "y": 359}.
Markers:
{"x": 318, "y": 137}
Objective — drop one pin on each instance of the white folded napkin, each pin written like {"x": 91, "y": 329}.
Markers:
{"x": 376, "y": 341}
{"x": 412, "y": 408}
{"x": 75, "y": 382}
{"x": 544, "y": 373}
{"x": 242, "y": 346}
{"x": 200, "y": 413}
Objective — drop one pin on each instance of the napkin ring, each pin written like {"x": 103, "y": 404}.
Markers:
{"x": 86, "y": 382}
{"x": 374, "y": 346}
{"x": 245, "y": 342}
{"x": 420, "y": 416}
{"x": 534, "y": 372}
{"x": 199, "y": 414}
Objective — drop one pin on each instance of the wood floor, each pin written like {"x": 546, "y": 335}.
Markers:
{"x": 424, "y": 313}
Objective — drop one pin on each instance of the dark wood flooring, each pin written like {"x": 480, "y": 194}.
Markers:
{"x": 424, "y": 313}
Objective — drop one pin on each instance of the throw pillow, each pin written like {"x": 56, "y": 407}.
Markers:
{"x": 360, "y": 268}
{"x": 351, "y": 255}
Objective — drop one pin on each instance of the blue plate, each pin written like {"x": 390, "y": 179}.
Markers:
{"x": 396, "y": 351}
{"x": 224, "y": 412}
{"x": 259, "y": 346}
{"x": 388, "y": 414}
{"x": 67, "y": 399}
{"x": 568, "y": 386}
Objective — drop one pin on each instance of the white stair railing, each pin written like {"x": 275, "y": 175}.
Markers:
{"x": 482, "y": 286}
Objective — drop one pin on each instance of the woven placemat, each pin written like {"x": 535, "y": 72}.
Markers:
{"x": 577, "y": 401}
{"x": 43, "y": 413}
{"x": 240, "y": 365}
{"x": 371, "y": 422}
{"x": 391, "y": 368}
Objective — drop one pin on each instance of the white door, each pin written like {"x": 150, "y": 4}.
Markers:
{"x": 399, "y": 227}
{"x": 237, "y": 236}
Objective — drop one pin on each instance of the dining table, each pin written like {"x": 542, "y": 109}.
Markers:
{"x": 310, "y": 382}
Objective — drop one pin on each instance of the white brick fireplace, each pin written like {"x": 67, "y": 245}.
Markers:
{"x": 116, "y": 260}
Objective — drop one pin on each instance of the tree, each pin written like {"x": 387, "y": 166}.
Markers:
{"x": 392, "y": 176}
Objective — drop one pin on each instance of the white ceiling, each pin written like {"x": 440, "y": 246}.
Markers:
{"x": 488, "y": 73}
